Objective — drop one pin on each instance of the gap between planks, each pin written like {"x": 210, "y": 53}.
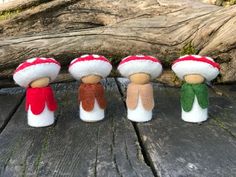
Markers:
{"x": 221, "y": 90}
{"x": 144, "y": 151}
{"x": 13, "y": 111}
{"x": 164, "y": 162}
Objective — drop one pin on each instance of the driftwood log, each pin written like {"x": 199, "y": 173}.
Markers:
{"x": 65, "y": 29}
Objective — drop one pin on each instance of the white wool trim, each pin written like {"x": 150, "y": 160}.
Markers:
{"x": 92, "y": 67}
{"x": 25, "y": 76}
{"x": 96, "y": 114}
{"x": 139, "y": 114}
{"x": 154, "y": 69}
{"x": 43, "y": 119}
{"x": 187, "y": 67}
{"x": 196, "y": 115}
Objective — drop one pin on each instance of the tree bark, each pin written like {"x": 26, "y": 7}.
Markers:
{"x": 65, "y": 29}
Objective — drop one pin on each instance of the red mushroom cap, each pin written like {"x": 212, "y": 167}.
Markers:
{"x": 140, "y": 64}
{"x": 90, "y": 64}
{"x": 35, "y": 68}
{"x": 196, "y": 64}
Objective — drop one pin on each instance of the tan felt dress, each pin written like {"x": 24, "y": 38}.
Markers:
{"x": 140, "y": 102}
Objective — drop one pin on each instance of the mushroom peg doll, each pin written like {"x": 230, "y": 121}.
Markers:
{"x": 195, "y": 70}
{"x": 140, "y": 70}
{"x": 35, "y": 75}
{"x": 90, "y": 69}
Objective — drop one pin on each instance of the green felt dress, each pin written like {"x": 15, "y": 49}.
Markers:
{"x": 188, "y": 93}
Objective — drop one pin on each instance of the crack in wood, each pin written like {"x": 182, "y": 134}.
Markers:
{"x": 135, "y": 38}
{"x": 10, "y": 64}
{"x": 127, "y": 157}
{"x": 96, "y": 156}
{"x": 215, "y": 32}
{"x": 88, "y": 10}
{"x": 12, "y": 113}
{"x": 12, "y": 152}
{"x": 112, "y": 148}
{"x": 220, "y": 124}
{"x": 144, "y": 151}
{"x": 116, "y": 166}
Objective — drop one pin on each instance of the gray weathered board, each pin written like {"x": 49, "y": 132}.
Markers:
{"x": 176, "y": 148}
{"x": 165, "y": 146}
{"x": 225, "y": 108}
{"x": 9, "y": 101}
{"x": 72, "y": 147}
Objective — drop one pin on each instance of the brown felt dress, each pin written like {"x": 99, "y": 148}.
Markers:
{"x": 144, "y": 91}
{"x": 88, "y": 93}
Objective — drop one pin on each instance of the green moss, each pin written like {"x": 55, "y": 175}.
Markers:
{"x": 232, "y": 2}
{"x": 229, "y": 2}
{"x": 188, "y": 49}
{"x": 4, "y": 15}
{"x": 7, "y": 14}
{"x": 225, "y": 3}
{"x": 115, "y": 59}
{"x": 44, "y": 147}
{"x": 220, "y": 123}
{"x": 24, "y": 168}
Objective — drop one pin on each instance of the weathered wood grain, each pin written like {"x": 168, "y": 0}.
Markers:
{"x": 223, "y": 109}
{"x": 228, "y": 90}
{"x": 65, "y": 29}
{"x": 10, "y": 98}
{"x": 72, "y": 147}
{"x": 14, "y": 5}
{"x": 177, "y": 148}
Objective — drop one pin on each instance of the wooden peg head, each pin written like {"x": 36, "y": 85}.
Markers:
{"x": 140, "y": 78}
{"x": 194, "y": 79}
{"x": 91, "y": 79}
{"x": 40, "y": 83}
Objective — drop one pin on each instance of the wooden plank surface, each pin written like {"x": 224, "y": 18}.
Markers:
{"x": 224, "y": 107}
{"x": 10, "y": 98}
{"x": 177, "y": 148}
{"x": 72, "y": 147}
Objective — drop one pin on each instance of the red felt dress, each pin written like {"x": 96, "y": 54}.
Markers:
{"x": 38, "y": 98}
